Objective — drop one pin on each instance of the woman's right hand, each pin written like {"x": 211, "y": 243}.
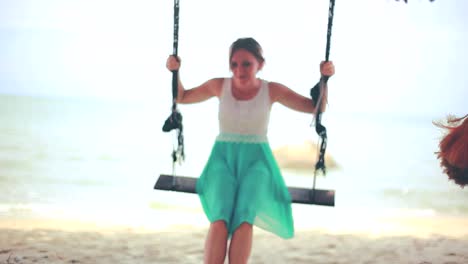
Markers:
{"x": 173, "y": 63}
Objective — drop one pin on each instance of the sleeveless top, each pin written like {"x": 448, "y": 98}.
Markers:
{"x": 244, "y": 120}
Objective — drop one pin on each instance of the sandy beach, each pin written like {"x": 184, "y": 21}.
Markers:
{"x": 378, "y": 240}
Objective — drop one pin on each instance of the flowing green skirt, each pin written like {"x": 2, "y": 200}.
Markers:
{"x": 241, "y": 182}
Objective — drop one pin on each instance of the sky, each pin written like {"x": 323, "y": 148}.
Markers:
{"x": 389, "y": 56}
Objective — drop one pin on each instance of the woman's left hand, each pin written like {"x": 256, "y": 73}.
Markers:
{"x": 327, "y": 68}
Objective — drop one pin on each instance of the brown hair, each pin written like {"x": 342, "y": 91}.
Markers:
{"x": 453, "y": 154}
{"x": 250, "y": 45}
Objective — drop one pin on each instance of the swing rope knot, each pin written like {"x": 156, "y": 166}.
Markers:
{"x": 174, "y": 121}
{"x": 321, "y": 130}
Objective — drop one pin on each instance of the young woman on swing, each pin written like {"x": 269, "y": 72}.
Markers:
{"x": 241, "y": 184}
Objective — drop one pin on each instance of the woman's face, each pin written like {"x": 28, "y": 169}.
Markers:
{"x": 244, "y": 66}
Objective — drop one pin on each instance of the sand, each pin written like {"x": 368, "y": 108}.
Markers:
{"x": 381, "y": 240}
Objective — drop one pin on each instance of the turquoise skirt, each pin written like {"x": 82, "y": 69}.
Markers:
{"x": 241, "y": 182}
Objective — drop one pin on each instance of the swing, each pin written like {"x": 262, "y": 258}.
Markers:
{"x": 174, "y": 122}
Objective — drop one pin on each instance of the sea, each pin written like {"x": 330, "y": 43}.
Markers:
{"x": 96, "y": 159}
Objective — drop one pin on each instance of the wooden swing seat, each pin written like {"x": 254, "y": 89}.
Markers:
{"x": 298, "y": 195}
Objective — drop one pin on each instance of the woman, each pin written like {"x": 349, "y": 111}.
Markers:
{"x": 241, "y": 184}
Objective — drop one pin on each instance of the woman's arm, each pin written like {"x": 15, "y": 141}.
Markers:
{"x": 287, "y": 97}
{"x": 197, "y": 94}
{"x": 200, "y": 93}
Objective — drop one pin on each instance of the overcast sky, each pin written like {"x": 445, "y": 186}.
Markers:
{"x": 390, "y": 56}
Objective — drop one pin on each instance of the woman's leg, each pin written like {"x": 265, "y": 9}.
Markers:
{"x": 216, "y": 243}
{"x": 241, "y": 244}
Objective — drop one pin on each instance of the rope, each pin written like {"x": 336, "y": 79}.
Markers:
{"x": 317, "y": 94}
{"x": 174, "y": 121}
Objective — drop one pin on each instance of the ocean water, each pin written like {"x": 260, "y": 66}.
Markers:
{"x": 75, "y": 158}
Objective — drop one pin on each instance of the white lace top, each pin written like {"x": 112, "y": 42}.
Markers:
{"x": 244, "y": 120}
